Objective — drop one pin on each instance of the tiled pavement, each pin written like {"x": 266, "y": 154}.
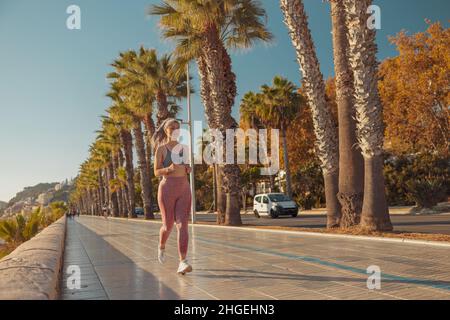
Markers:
{"x": 117, "y": 259}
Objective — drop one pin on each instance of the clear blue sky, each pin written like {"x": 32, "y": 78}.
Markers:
{"x": 52, "y": 80}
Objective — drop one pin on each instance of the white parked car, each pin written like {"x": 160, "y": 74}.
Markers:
{"x": 274, "y": 205}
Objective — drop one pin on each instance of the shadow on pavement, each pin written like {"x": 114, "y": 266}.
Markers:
{"x": 283, "y": 276}
{"x": 110, "y": 266}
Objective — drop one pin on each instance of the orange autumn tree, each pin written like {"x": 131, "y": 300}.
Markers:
{"x": 300, "y": 133}
{"x": 415, "y": 91}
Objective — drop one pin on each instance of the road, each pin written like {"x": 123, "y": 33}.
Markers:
{"x": 408, "y": 223}
{"x": 117, "y": 259}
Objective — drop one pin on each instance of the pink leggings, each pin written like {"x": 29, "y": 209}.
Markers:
{"x": 174, "y": 199}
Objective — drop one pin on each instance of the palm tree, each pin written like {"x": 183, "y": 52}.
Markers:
{"x": 362, "y": 56}
{"x": 109, "y": 137}
{"x": 160, "y": 78}
{"x": 203, "y": 30}
{"x": 132, "y": 71}
{"x": 99, "y": 158}
{"x": 120, "y": 115}
{"x": 146, "y": 78}
{"x": 113, "y": 132}
{"x": 280, "y": 105}
{"x": 324, "y": 124}
{"x": 108, "y": 140}
{"x": 351, "y": 163}
{"x": 157, "y": 78}
{"x": 249, "y": 119}
{"x": 87, "y": 183}
{"x": 248, "y": 107}
{"x": 138, "y": 106}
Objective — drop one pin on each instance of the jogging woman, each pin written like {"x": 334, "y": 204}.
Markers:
{"x": 174, "y": 193}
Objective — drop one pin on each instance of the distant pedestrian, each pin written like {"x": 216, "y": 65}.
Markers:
{"x": 105, "y": 211}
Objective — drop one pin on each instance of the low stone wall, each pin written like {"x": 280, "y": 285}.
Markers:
{"x": 32, "y": 271}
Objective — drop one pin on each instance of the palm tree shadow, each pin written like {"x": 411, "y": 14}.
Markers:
{"x": 300, "y": 277}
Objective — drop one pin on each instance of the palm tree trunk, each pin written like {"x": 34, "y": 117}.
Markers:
{"x": 222, "y": 84}
{"x": 107, "y": 191}
{"x": 112, "y": 194}
{"x": 150, "y": 130}
{"x": 324, "y": 124}
{"x": 149, "y": 125}
{"x": 351, "y": 162}
{"x": 119, "y": 190}
{"x": 84, "y": 205}
{"x": 86, "y": 202}
{"x": 375, "y": 212}
{"x": 362, "y": 53}
{"x": 205, "y": 92}
{"x": 127, "y": 141}
{"x": 163, "y": 107}
{"x": 142, "y": 163}
{"x": 221, "y": 196}
{"x": 286, "y": 163}
{"x": 266, "y": 156}
{"x": 214, "y": 179}
{"x": 272, "y": 183}
{"x": 123, "y": 189}
{"x": 98, "y": 206}
{"x": 91, "y": 202}
{"x": 101, "y": 186}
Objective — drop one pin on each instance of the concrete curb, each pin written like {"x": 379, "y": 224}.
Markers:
{"x": 304, "y": 233}
{"x": 32, "y": 271}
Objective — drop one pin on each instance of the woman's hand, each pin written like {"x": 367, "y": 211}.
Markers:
{"x": 188, "y": 169}
{"x": 170, "y": 169}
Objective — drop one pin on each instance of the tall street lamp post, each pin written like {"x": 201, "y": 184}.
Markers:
{"x": 191, "y": 146}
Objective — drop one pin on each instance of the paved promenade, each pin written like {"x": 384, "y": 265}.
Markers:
{"x": 118, "y": 261}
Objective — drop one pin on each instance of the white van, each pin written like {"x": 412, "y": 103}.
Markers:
{"x": 274, "y": 205}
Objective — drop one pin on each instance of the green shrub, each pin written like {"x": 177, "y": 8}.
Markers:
{"x": 427, "y": 193}
{"x": 308, "y": 186}
{"x": 21, "y": 228}
{"x": 57, "y": 210}
{"x": 421, "y": 179}
{"x": 5, "y": 250}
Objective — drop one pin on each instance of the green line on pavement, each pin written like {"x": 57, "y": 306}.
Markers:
{"x": 423, "y": 282}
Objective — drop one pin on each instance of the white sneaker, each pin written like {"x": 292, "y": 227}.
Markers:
{"x": 161, "y": 255}
{"x": 184, "y": 268}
